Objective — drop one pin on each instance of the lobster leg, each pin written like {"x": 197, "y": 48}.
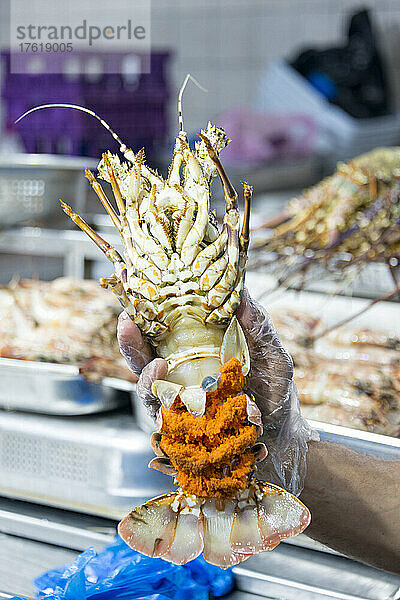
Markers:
{"x": 221, "y": 290}
{"x": 135, "y": 181}
{"x": 210, "y": 253}
{"x": 103, "y": 199}
{"x": 227, "y": 309}
{"x": 214, "y": 273}
{"x": 157, "y": 227}
{"x": 224, "y": 313}
{"x": 144, "y": 243}
{"x": 140, "y": 263}
{"x": 114, "y": 282}
{"x": 190, "y": 247}
{"x": 114, "y": 184}
{"x": 196, "y": 186}
{"x": 193, "y": 173}
{"x": 174, "y": 177}
{"x": 143, "y": 287}
{"x": 110, "y": 252}
{"x": 245, "y": 233}
{"x": 218, "y": 294}
{"x": 184, "y": 226}
{"x": 229, "y": 191}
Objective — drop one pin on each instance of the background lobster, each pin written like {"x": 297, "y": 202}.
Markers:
{"x": 337, "y": 227}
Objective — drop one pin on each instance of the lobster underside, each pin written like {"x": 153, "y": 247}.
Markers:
{"x": 181, "y": 280}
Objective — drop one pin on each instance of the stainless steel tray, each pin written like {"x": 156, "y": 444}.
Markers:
{"x": 373, "y": 444}
{"x": 56, "y": 389}
{"x": 294, "y": 573}
{"x": 92, "y": 464}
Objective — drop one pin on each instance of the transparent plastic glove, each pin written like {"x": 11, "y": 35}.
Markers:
{"x": 286, "y": 433}
{"x": 140, "y": 358}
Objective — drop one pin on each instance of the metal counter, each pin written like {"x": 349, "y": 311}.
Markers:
{"x": 97, "y": 464}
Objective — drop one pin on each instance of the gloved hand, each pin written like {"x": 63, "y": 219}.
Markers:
{"x": 286, "y": 432}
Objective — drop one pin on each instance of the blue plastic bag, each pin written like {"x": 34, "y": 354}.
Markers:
{"x": 119, "y": 573}
{"x": 219, "y": 581}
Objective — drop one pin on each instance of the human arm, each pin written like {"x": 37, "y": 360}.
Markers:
{"x": 354, "y": 501}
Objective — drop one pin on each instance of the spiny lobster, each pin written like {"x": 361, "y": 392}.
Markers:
{"x": 338, "y": 226}
{"x": 181, "y": 280}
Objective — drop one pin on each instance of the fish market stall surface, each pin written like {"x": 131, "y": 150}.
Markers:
{"x": 289, "y": 572}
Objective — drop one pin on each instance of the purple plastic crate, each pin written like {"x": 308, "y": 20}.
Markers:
{"x": 135, "y": 107}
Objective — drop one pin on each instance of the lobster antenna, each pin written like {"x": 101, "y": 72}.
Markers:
{"x": 180, "y": 95}
{"x": 123, "y": 147}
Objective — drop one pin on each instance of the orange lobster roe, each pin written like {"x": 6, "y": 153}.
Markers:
{"x": 211, "y": 453}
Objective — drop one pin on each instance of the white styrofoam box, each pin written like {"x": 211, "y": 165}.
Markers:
{"x": 283, "y": 90}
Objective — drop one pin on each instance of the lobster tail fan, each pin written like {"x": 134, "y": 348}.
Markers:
{"x": 150, "y": 528}
{"x": 218, "y": 520}
{"x": 178, "y": 528}
{"x": 188, "y": 541}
